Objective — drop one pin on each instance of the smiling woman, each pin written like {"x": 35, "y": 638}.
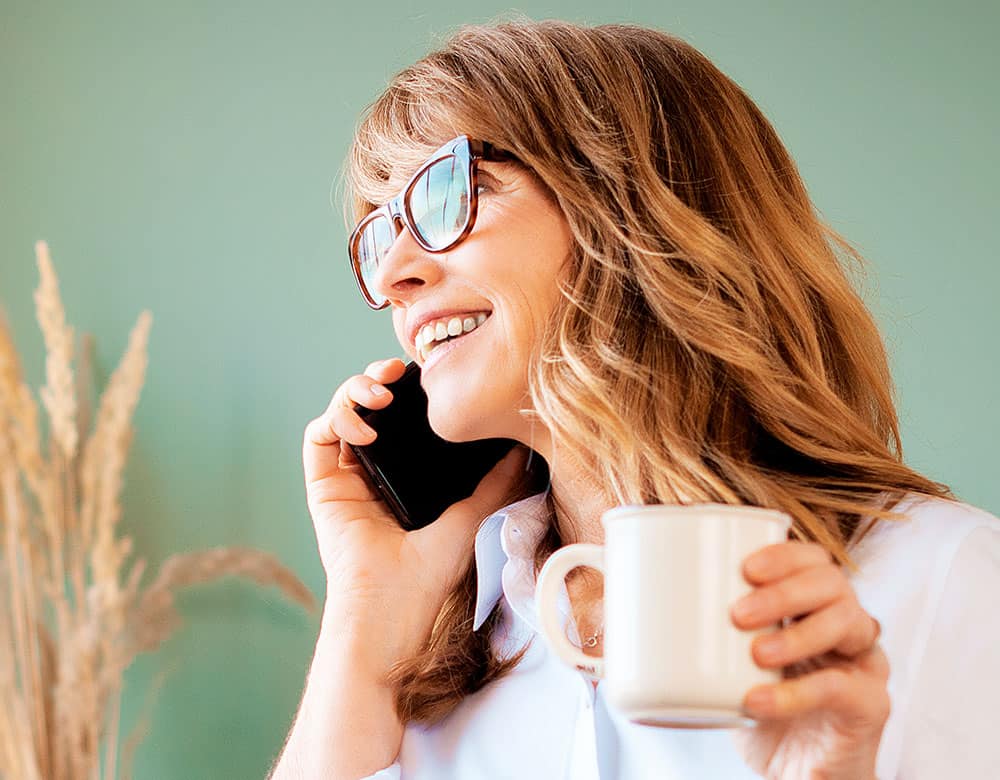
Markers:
{"x": 648, "y": 301}
{"x": 505, "y": 266}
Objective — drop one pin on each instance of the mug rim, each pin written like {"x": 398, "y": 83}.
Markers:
{"x": 762, "y": 512}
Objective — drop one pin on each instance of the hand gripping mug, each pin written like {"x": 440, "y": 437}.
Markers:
{"x": 672, "y": 657}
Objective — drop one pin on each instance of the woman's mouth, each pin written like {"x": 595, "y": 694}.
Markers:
{"x": 434, "y": 335}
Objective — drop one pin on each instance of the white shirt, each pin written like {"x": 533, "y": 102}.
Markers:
{"x": 933, "y": 582}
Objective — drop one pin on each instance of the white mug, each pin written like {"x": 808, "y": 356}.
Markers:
{"x": 672, "y": 656}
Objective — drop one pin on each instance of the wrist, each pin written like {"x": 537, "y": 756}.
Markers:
{"x": 372, "y": 641}
{"x": 353, "y": 645}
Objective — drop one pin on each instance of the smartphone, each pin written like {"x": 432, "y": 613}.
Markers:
{"x": 416, "y": 472}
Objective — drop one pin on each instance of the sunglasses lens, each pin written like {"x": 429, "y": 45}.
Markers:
{"x": 373, "y": 243}
{"x": 439, "y": 202}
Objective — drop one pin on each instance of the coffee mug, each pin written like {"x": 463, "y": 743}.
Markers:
{"x": 672, "y": 656}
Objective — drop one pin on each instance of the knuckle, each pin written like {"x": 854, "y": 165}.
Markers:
{"x": 337, "y": 399}
{"x": 798, "y": 639}
{"x": 880, "y": 664}
{"x": 313, "y": 426}
{"x": 830, "y": 580}
{"x": 794, "y": 694}
{"x": 765, "y": 604}
{"x": 804, "y": 640}
{"x": 870, "y": 701}
{"x": 837, "y": 572}
{"x": 776, "y": 598}
{"x": 772, "y": 603}
{"x": 882, "y": 705}
{"x": 834, "y": 684}
{"x": 338, "y": 418}
{"x": 819, "y": 553}
{"x": 838, "y": 687}
{"x": 355, "y": 389}
{"x": 773, "y": 599}
{"x": 825, "y": 683}
{"x": 769, "y": 600}
{"x": 845, "y": 611}
{"x": 349, "y": 392}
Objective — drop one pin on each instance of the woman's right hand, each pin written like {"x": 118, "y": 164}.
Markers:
{"x": 385, "y": 586}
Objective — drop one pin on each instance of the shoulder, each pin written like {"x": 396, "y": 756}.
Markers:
{"x": 930, "y": 530}
{"x": 904, "y": 565}
{"x": 928, "y": 578}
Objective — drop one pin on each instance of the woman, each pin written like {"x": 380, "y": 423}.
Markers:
{"x": 658, "y": 312}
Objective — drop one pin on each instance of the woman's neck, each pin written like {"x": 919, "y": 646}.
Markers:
{"x": 579, "y": 504}
{"x": 578, "y": 501}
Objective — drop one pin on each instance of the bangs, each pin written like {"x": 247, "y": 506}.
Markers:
{"x": 408, "y": 122}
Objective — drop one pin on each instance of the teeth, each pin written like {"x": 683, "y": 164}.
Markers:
{"x": 428, "y": 333}
{"x": 432, "y": 334}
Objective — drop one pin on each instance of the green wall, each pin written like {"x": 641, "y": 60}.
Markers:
{"x": 180, "y": 157}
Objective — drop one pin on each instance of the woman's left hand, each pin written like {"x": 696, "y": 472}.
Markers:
{"x": 828, "y": 721}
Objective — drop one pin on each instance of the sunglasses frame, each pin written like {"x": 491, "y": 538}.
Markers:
{"x": 468, "y": 151}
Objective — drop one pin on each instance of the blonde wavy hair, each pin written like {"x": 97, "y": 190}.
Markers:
{"x": 709, "y": 345}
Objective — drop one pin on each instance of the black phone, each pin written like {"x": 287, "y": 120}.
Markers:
{"x": 416, "y": 472}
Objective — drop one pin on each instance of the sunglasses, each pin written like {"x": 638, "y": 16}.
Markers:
{"x": 438, "y": 206}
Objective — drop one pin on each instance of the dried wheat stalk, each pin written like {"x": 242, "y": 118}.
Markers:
{"x": 74, "y": 619}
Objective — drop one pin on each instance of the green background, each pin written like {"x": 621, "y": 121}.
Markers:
{"x": 181, "y": 157}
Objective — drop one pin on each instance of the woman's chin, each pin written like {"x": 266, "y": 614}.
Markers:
{"x": 459, "y": 410}
{"x": 451, "y": 426}
{"x": 457, "y": 421}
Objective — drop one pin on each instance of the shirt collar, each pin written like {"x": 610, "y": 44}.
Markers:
{"x": 505, "y": 558}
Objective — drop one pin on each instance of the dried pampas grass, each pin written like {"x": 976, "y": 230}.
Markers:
{"x": 73, "y": 619}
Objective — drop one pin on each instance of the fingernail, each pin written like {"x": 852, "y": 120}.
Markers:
{"x": 365, "y": 430}
{"x": 378, "y": 390}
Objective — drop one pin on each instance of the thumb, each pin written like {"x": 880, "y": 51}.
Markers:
{"x": 453, "y": 533}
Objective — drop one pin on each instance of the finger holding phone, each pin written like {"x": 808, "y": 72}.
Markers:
{"x": 385, "y": 584}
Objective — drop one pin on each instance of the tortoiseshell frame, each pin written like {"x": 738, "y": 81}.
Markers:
{"x": 468, "y": 151}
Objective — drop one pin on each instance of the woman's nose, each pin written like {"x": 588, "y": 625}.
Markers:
{"x": 405, "y": 268}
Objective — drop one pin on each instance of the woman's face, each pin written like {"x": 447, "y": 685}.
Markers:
{"x": 508, "y": 269}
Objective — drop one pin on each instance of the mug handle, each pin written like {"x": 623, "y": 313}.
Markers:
{"x": 551, "y": 577}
